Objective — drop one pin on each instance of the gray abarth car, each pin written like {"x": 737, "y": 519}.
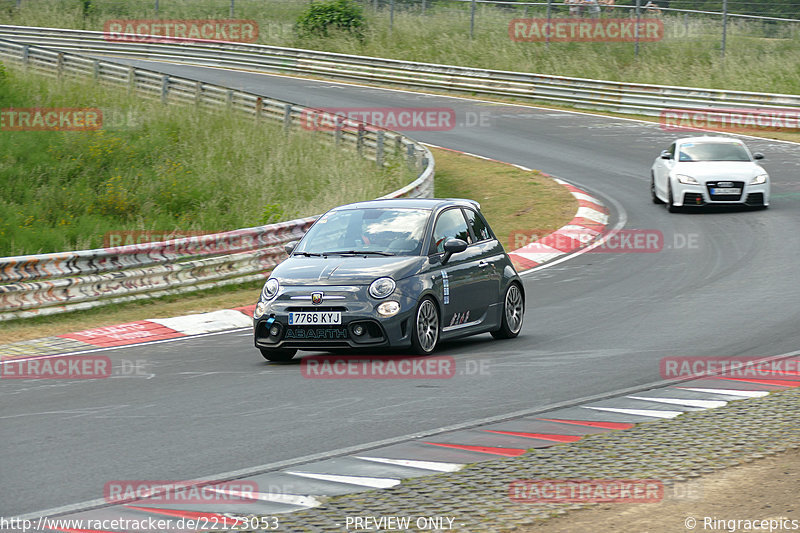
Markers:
{"x": 400, "y": 273}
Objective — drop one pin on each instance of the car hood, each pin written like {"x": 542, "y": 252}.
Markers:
{"x": 339, "y": 270}
{"x": 719, "y": 170}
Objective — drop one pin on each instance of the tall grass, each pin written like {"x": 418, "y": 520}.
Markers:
{"x": 762, "y": 57}
{"x": 161, "y": 168}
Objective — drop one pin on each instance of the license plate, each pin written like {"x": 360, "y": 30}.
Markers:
{"x": 315, "y": 318}
{"x": 726, "y": 190}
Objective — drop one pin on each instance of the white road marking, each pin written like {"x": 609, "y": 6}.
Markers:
{"x": 655, "y": 413}
{"x": 424, "y": 465}
{"x": 706, "y": 404}
{"x": 289, "y": 499}
{"x": 730, "y": 392}
{"x": 375, "y": 482}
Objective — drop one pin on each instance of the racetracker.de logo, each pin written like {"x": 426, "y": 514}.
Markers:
{"x": 585, "y": 30}
{"x": 729, "y": 367}
{"x": 73, "y": 367}
{"x": 633, "y": 241}
{"x": 188, "y": 492}
{"x": 730, "y": 120}
{"x": 391, "y": 118}
{"x": 180, "y": 30}
{"x": 586, "y": 491}
{"x": 377, "y": 367}
{"x": 51, "y": 119}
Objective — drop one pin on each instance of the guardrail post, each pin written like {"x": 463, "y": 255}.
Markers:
{"x": 96, "y": 70}
{"x": 636, "y": 28}
{"x": 131, "y": 79}
{"x": 360, "y": 139}
{"x": 379, "y": 148}
{"x": 60, "y": 65}
{"x": 337, "y": 134}
{"x": 411, "y": 155}
{"x": 724, "y": 25}
{"x": 472, "y": 20}
{"x": 259, "y": 108}
{"x": 398, "y": 145}
{"x": 198, "y": 93}
{"x": 25, "y": 55}
{"x": 164, "y": 88}
{"x": 287, "y": 117}
{"x": 229, "y": 99}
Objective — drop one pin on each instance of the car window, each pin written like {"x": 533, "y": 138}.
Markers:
{"x": 449, "y": 225}
{"x": 713, "y": 151}
{"x": 480, "y": 230}
{"x": 396, "y": 231}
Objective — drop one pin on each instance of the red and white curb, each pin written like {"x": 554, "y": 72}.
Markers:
{"x": 131, "y": 333}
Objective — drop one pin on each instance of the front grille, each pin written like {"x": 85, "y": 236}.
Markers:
{"x": 755, "y": 199}
{"x": 725, "y": 197}
{"x": 693, "y": 198}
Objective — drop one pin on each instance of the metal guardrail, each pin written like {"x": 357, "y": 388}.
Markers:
{"x": 45, "y": 284}
{"x": 620, "y": 97}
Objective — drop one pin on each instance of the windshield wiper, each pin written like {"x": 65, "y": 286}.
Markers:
{"x": 354, "y": 252}
{"x": 307, "y": 254}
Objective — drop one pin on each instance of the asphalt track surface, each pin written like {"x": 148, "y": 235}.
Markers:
{"x": 725, "y": 284}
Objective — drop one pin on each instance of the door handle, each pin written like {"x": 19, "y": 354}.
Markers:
{"x": 483, "y": 264}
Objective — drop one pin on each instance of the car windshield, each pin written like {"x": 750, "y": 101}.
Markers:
{"x": 378, "y": 231}
{"x": 717, "y": 151}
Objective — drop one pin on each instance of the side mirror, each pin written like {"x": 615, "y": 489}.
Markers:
{"x": 290, "y": 246}
{"x": 666, "y": 155}
{"x": 453, "y": 246}
{"x": 758, "y": 155}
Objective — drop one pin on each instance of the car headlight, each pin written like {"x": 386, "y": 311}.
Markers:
{"x": 270, "y": 289}
{"x": 382, "y": 287}
{"x": 758, "y": 180}
{"x": 390, "y": 308}
{"x": 686, "y": 180}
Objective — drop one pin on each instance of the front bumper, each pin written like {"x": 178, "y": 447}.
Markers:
{"x": 357, "y": 308}
{"x": 699, "y": 195}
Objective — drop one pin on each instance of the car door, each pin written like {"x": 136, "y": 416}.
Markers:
{"x": 662, "y": 170}
{"x": 464, "y": 275}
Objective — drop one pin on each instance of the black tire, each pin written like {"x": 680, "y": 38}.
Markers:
{"x": 656, "y": 199}
{"x": 278, "y": 354}
{"x": 425, "y": 327}
{"x": 671, "y": 207}
{"x": 512, "y": 315}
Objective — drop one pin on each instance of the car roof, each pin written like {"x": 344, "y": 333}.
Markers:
{"x": 709, "y": 138}
{"x": 412, "y": 203}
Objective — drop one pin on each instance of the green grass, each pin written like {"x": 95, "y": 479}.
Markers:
{"x": 162, "y": 168}
{"x": 760, "y": 57}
